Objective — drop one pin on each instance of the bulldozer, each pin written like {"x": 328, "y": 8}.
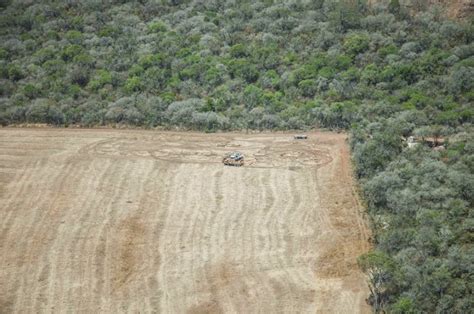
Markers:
{"x": 235, "y": 159}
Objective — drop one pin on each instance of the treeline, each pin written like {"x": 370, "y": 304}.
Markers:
{"x": 220, "y": 65}
{"x": 256, "y": 64}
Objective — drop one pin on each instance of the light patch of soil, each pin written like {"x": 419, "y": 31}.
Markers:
{"x": 145, "y": 221}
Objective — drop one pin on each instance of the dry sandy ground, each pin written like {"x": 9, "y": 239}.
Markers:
{"x": 144, "y": 221}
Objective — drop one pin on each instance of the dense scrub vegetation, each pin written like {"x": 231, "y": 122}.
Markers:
{"x": 218, "y": 65}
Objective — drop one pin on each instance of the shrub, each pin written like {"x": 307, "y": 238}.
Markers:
{"x": 15, "y": 72}
{"x": 356, "y": 43}
{"x": 133, "y": 84}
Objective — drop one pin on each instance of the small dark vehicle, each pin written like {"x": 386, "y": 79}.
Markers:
{"x": 301, "y": 137}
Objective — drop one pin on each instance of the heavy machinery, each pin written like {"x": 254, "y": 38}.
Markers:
{"x": 235, "y": 159}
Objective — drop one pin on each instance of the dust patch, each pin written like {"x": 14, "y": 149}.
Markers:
{"x": 129, "y": 252}
{"x": 211, "y": 307}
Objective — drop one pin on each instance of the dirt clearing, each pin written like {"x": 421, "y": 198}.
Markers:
{"x": 143, "y": 221}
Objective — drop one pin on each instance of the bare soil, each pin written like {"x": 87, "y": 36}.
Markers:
{"x": 145, "y": 221}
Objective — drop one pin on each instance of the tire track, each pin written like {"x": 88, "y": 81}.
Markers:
{"x": 37, "y": 241}
{"x": 65, "y": 250}
{"x": 46, "y": 293}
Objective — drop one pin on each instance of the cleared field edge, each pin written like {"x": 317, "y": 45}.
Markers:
{"x": 78, "y": 218}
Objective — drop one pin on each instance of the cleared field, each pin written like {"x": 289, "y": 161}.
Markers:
{"x": 143, "y": 221}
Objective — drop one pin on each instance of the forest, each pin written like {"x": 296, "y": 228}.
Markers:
{"x": 380, "y": 72}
